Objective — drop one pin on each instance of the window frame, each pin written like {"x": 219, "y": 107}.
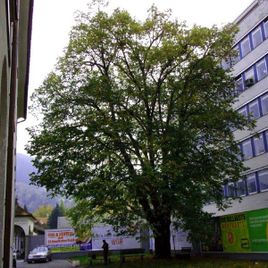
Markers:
{"x": 264, "y": 96}
{"x": 265, "y": 23}
{"x": 248, "y": 141}
{"x": 245, "y": 187}
{"x": 252, "y": 104}
{"x": 257, "y": 29}
{"x": 266, "y": 172}
{"x": 250, "y": 70}
{"x": 245, "y": 40}
{"x": 262, "y": 61}
{"x": 241, "y": 111}
{"x": 241, "y": 83}
{"x": 231, "y": 184}
{"x": 260, "y": 136}
{"x": 237, "y": 58}
{"x": 248, "y": 178}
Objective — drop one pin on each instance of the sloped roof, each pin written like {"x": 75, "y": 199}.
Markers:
{"x": 21, "y": 212}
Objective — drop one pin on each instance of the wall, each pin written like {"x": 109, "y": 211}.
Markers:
{"x": 4, "y": 108}
{"x": 26, "y": 223}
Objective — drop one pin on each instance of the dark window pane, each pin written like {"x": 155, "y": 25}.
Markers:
{"x": 241, "y": 188}
{"x": 239, "y": 85}
{"x": 259, "y": 145}
{"x": 254, "y": 109}
{"x": 263, "y": 179}
{"x": 266, "y": 29}
{"x": 245, "y": 46}
{"x": 230, "y": 190}
{"x": 243, "y": 111}
{"x": 247, "y": 149}
{"x": 249, "y": 78}
{"x": 264, "y": 103}
{"x": 251, "y": 184}
{"x": 236, "y": 58}
{"x": 257, "y": 37}
{"x": 261, "y": 69}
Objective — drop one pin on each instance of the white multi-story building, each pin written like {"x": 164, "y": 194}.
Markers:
{"x": 244, "y": 225}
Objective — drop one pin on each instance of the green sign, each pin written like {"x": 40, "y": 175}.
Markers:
{"x": 235, "y": 237}
{"x": 258, "y": 229}
{"x": 245, "y": 232}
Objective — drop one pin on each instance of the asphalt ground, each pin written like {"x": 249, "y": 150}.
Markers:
{"x": 51, "y": 264}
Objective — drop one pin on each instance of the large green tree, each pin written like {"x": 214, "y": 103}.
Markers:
{"x": 137, "y": 121}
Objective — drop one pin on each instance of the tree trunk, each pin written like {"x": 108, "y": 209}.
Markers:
{"x": 162, "y": 239}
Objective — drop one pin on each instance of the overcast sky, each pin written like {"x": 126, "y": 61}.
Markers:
{"x": 53, "y": 19}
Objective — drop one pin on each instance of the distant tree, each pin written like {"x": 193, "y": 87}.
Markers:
{"x": 62, "y": 208}
{"x": 53, "y": 217}
{"x": 137, "y": 122}
{"x": 43, "y": 211}
{"x": 25, "y": 207}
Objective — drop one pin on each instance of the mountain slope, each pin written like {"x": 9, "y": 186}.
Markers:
{"x": 30, "y": 195}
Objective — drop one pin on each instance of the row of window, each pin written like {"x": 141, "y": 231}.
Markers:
{"x": 251, "y": 40}
{"x": 256, "y": 108}
{"x": 253, "y": 183}
{"x": 251, "y": 76}
{"x": 254, "y": 146}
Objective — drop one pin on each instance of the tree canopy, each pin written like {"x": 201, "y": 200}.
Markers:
{"x": 137, "y": 121}
{"x": 43, "y": 211}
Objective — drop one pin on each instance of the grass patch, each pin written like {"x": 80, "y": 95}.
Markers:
{"x": 65, "y": 249}
{"x": 149, "y": 262}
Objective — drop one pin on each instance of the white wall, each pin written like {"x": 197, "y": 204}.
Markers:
{"x": 26, "y": 223}
{"x": 105, "y": 232}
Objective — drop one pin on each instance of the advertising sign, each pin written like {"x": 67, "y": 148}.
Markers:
{"x": 245, "y": 232}
{"x": 258, "y": 229}
{"x": 235, "y": 237}
{"x": 60, "y": 237}
{"x": 105, "y": 232}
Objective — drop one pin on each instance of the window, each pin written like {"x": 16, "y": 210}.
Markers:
{"x": 261, "y": 69}
{"x": 266, "y": 138}
{"x": 245, "y": 46}
{"x": 251, "y": 184}
{"x": 231, "y": 189}
{"x": 254, "y": 109}
{"x": 239, "y": 86}
{"x": 236, "y": 58}
{"x": 222, "y": 191}
{"x": 265, "y": 24}
{"x": 264, "y": 104}
{"x": 241, "y": 188}
{"x": 263, "y": 179}
{"x": 259, "y": 144}
{"x": 247, "y": 149}
{"x": 249, "y": 78}
{"x": 257, "y": 37}
{"x": 226, "y": 64}
{"x": 239, "y": 155}
{"x": 243, "y": 111}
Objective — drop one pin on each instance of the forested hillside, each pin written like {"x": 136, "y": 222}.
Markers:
{"x": 30, "y": 195}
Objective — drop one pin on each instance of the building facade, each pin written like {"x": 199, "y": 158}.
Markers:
{"x": 25, "y": 225}
{"x": 15, "y": 36}
{"x": 244, "y": 225}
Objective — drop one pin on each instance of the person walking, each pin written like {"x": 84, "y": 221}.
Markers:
{"x": 105, "y": 247}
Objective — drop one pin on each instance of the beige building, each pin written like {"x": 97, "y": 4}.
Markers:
{"x": 15, "y": 37}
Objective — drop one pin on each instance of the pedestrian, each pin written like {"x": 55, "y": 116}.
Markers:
{"x": 105, "y": 247}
